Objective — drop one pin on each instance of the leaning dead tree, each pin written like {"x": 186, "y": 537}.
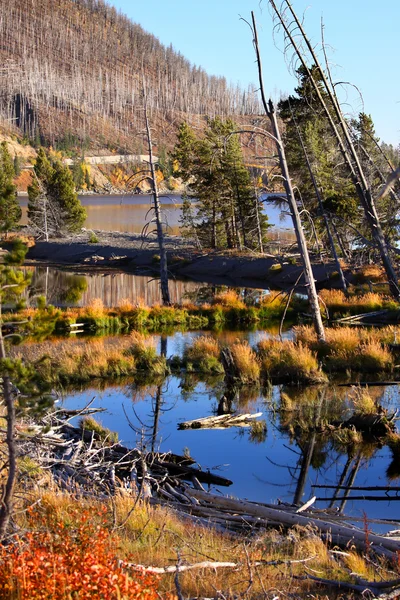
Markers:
{"x": 157, "y": 210}
{"x": 340, "y": 131}
{"x": 321, "y": 206}
{"x": 298, "y": 228}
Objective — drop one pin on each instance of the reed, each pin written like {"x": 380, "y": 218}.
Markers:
{"x": 289, "y": 361}
{"x": 247, "y": 364}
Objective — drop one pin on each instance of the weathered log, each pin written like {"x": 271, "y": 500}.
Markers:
{"x": 220, "y": 421}
{"x": 356, "y": 536}
{"x": 189, "y": 472}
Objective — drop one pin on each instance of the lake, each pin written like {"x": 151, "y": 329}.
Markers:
{"x": 128, "y": 213}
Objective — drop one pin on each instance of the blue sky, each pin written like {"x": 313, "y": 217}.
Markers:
{"x": 361, "y": 36}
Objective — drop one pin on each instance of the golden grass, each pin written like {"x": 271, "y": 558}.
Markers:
{"x": 155, "y": 536}
{"x": 338, "y": 303}
{"x": 246, "y": 362}
{"x": 229, "y": 299}
{"x": 95, "y": 308}
{"x": 288, "y": 360}
{"x": 347, "y": 348}
{"x": 202, "y": 347}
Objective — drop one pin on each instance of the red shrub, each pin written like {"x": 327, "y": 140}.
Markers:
{"x": 69, "y": 561}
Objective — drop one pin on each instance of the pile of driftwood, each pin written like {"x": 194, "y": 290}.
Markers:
{"x": 82, "y": 463}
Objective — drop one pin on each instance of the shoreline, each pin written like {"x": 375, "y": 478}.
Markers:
{"x": 126, "y": 252}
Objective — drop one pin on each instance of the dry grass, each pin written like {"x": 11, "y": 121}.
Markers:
{"x": 155, "y": 536}
{"x": 95, "y": 308}
{"x": 229, "y": 299}
{"x": 339, "y": 304}
{"x": 202, "y": 347}
{"x": 246, "y": 362}
{"x": 289, "y": 361}
{"x": 350, "y": 348}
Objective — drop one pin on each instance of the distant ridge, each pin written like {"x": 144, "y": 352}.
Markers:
{"x": 71, "y": 76}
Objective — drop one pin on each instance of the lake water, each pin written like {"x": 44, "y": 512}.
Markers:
{"x": 129, "y": 213}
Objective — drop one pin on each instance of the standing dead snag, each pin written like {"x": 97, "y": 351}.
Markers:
{"x": 342, "y": 135}
{"x": 157, "y": 210}
{"x": 298, "y": 228}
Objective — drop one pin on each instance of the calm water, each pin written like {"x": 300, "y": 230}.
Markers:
{"x": 64, "y": 288}
{"x": 130, "y": 213}
{"x": 285, "y": 465}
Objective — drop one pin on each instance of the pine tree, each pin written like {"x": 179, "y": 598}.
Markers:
{"x": 54, "y": 207}
{"x": 226, "y": 213}
{"x": 10, "y": 211}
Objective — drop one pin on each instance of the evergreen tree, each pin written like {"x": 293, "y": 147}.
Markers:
{"x": 302, "y": 116}
{"x": 227, "y": 213}
{"x": 54, "y": 207}
{"x": 10, "y": 211}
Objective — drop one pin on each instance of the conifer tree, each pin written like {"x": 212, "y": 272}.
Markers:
{"x": 54, "y": 207}
{"x": 227, "y": 213}
{"x": 10, "y": 211}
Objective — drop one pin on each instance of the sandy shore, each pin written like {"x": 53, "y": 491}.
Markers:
{"x": 126, "y": 252}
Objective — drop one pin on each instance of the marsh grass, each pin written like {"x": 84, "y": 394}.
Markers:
{"x": 247, "y": 364}
{"x": 350, "y": 348}
{"x": 339, "y": 304}
{"x": 362, "y": 402}
{"x": 203, "y": 355}
{"x": 289, "y": 361}
{"x": 143, "y": 349}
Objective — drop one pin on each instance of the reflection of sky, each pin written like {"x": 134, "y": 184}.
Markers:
{"x": 264, "y": 472}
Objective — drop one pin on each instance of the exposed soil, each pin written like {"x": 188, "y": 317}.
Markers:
{"x": 127, "y": 252}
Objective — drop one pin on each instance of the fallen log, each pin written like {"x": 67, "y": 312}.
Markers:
{"x": 189, "y": 472}
{"x": 356, "y": 536}
{"x": 220, "y": 421}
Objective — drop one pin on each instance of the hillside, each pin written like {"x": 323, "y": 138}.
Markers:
{"x": 72, "y": 77}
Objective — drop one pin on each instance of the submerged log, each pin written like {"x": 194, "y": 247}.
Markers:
{"x": 221, "y": 421}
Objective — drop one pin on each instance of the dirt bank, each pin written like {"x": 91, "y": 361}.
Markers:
{"x": 127, "y": 252}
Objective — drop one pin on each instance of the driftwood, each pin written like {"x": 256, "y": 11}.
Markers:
{"x": 220, "y": 421}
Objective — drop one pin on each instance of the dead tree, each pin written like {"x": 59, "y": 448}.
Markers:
{"x": 298, "y": 228}
{"x": 344, "y": 140}
{"x": 157, "y": 211}
{"x": 321, "y": 207}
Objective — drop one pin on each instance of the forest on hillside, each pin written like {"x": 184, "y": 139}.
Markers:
{"x": 72, "y": 74}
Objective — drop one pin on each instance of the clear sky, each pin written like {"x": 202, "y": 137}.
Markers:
{"x": 362, "y": 37}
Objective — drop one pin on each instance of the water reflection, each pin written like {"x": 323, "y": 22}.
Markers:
{"x": 63, "y": 288}
{"x": 296, "y": 452}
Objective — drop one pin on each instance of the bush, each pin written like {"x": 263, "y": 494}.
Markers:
{"x": 59, "y": 562}
{"x": 93, "y": 239}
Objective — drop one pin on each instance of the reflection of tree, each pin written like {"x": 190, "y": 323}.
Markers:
{"x": 306, "y": 415}
{"x": 57, "y": 286}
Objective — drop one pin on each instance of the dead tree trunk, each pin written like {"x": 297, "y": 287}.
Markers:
{"x": 321, "y": 208}
{"x": 300, "y": 237}
{"x": 7, "y": 491}
{"x": 157, "y": 211}
{"x": 346, "y": 146}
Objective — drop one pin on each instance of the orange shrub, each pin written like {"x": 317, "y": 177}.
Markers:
{"x": 60, "y": 561}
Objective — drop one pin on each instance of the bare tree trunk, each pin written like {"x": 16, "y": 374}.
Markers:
{"x": 156, "y": 201}
{"x": 8, "y": 488}
{"x": 349, "y": 154}
{"x": 321, "y": 207}
{"x": 298, "y": 228}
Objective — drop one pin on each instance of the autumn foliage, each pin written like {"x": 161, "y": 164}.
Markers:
{"x": 62, "y": 560}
